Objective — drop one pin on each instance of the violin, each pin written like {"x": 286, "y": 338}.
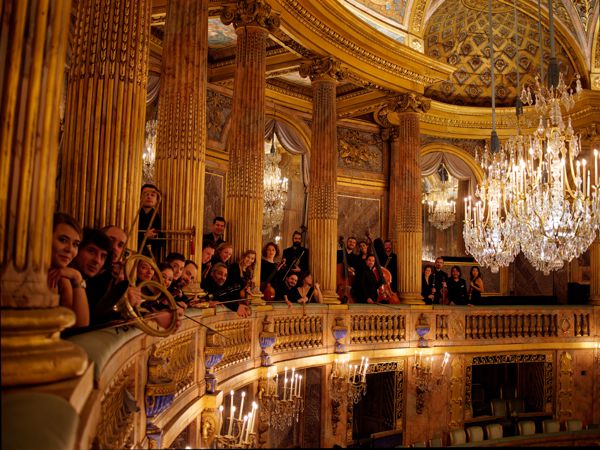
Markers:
{"x": 269, "y": 290}
{"x": 345, "y": 278}
{"x": 384, "y": 291}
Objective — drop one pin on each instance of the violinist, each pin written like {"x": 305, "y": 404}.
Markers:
{"x": 188, "y": 275}
{"x": 296, "y": 256}
{"x": 369, "y": 281}
{"x": 217, "y": 288}
{"x": 309, "y": 291}
{"x": 242, "y": 273}
{"x": 269, "y": 269}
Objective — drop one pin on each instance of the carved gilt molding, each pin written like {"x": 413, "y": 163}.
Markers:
{"x": 251, "y": 13}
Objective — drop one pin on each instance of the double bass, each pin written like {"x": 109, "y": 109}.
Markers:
{"x": 384, "y": 291}
{"x": 344, "y": 277}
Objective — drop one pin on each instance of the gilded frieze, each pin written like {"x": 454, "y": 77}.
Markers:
{"x": 469, "y": 145}
{"x": 565, "y": 386}
{"x": 218, "y": 111}
{"x": 251, "y": 13}
{"x": 359, "y": 150}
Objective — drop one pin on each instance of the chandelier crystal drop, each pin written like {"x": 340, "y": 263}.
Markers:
{"x": 275, "y": 191}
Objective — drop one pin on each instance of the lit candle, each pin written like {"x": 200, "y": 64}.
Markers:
{"x": 298, "y": 387}
{"x": 596, "y": 166}
{"x": 583, "y": 172}
{"x": 366, "y": 365}
{"x": 242, "y": 405}
{"x": 285, "y": 373}
{"x": 231, "y": 420}
{"x": 220, "y": 427}
{"x": 364, "y": 377}
{"x": 254, "y": 414}
{"x": 232, "y": 393}
{"x": 244, "y": 423}
{"x": 292, "y": 381}
{"x": 276, "y": 384}
{"x": 362, "y": 361}
{"x": 284, "y": 387}
{"x": 248, "y": 428}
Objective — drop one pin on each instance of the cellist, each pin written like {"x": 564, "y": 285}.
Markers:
{"x": 369, "y": 281}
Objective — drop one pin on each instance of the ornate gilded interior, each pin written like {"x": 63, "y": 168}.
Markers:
{"x": 362, "y": 91}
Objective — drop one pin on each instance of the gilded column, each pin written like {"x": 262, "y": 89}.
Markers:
{"x": 323, "y": 208}
{"x": 244, "y": 201}
{"x": 101, "y": 160}
{"x": 181, "y": 134}
{"x": 34, "y": 36}
{"x": 595, "y": 272}
{"x": 390, "y": 133}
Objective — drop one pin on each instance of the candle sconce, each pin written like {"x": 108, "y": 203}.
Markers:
{"x": 241, "y": 430}
{"x": 349, "y": 380}
{"x": 281, "y": 407}
{"x": 424, "y": 377}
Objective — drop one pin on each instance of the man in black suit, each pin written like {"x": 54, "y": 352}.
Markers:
{"x": 296, "y": 256}
{"x": 391, "y": 263}
{"x": 216, "y": 235}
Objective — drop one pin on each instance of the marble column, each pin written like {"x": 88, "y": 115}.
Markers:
{"x": 595, "y": 272}
{"x": 403, "y": 112}
{"x": 463, "y": 191}
{"x": 101, "y": 158}
{"x": 34, "y": 35}
{"x": 323, "y": 208}
{"x": 181, "y": 128}
{"x": 244, "y": 200}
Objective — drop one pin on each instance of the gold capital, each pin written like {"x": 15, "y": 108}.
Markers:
{"x": 323, "y": 68}
{"x": 251, "y": 13}
{"x": 410, "y": 102}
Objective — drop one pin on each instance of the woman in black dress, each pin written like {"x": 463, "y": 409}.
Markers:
{"x": 427, "y": 284}
{"x": 457, "y": 287}
{"x": 476, "y": 285}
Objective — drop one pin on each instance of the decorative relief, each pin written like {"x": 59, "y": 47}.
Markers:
{"x": 117, "y": 411}
{"x": 457, "y": 389}
{"x": 409, "y": 102}
{"x": 581, "y": 324}
{"x": 584, "y": 9}
{"x": 208, "y": 426}
{"x": 294, "y": 333}
{"x": 469, "y": 145}
{"x": 371, "y": 329}
{"x": 441, "y": 327}
{"x": 178, "y": 356}
{"x": 565, "y": 386}
{"x": 218, "y": 111}
{"x": 251, "y": 13}
{"x": 416, "y": 15}
{"x": 238, "y": 344}
{"x": 322, "y": 68}
{"x": 360, "y": 150}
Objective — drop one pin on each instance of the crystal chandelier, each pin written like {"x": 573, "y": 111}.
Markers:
{"x": 490, "y": 231}
{"x": 556, "y": 200}
{"x": 281, "y": 402}
{"x": 275, "y": 190}
{"x": 149, "y": 154}
{"x": 347, "y": 380}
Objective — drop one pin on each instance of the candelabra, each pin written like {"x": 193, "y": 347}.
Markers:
{"x": 424, "y": 378}
{"x": 349, "y": 380}
{"x": 281, "y": 412}
{"x": 241, "y": 430}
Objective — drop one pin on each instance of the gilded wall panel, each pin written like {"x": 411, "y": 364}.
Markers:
{"x": 356, "y": 215}
{"x": 214, "y": 197}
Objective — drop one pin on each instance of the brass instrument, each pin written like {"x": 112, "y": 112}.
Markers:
{"x": 129, "y": 262}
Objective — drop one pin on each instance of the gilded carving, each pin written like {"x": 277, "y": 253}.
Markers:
{"x": 298, "y": 332}
{"x": 238, "y": 343}
{"x": 360, "y": 150}
{"x": 565, "y": 386}
{"x": 457, "y": 390}
{"x": 471, "y": 146}
{"x": 117, "y": 411}
{"x": 326, "y": 68}
{"x": 251, "y": 13}
{"x": 410, "y": 102}
{"x": 416, "y": 15}
{"x": 371, "y": 329}
{"x": 208, "y": 426}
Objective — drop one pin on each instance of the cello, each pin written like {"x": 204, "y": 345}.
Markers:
{"x": 345, "y": 278}
{"x": 269, "y": 290}
{"x": 384, "y": 292}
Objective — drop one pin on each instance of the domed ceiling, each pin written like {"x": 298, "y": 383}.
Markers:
{"x": 458, "y": 34}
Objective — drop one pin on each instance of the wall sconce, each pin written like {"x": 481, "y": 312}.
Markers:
{"x": 424, "y": 377}
{"x": 348, "y": 379}
{"x": 241, "y": 430}
{"x": 281, "y": 411}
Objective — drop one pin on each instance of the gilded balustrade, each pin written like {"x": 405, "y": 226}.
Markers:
{"x": 134, "y": 370}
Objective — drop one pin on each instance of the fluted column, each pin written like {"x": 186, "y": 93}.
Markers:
{"x": 181, "y": 133}
{"x": 34, "y": 35}
{"x": 595, "y": 272}
{"x": 463, "y": 191}
{"x": 392, "y": 136}
{"x": 101, "y": 160}
{"x": 403, "y": 112}
{"x": 323, "y": 208}
{"x": 244, "y": 201}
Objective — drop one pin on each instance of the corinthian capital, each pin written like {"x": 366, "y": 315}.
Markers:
{"x": 322, "y": 68}
{"x": 251, "y": 13}
{"x": 410, "y": 102}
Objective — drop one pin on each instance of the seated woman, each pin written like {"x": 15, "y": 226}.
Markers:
{"x": 457, "y": 287}
{"x": 269, "y": 269}
{"x": 242, "y": 273}
{"x": 427, "y": 284}
{"x": 308, "y": 290}
{"x": 223, "y": 254}
{"x": 475, "y": 286}
{"x": 66, "y": 281}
